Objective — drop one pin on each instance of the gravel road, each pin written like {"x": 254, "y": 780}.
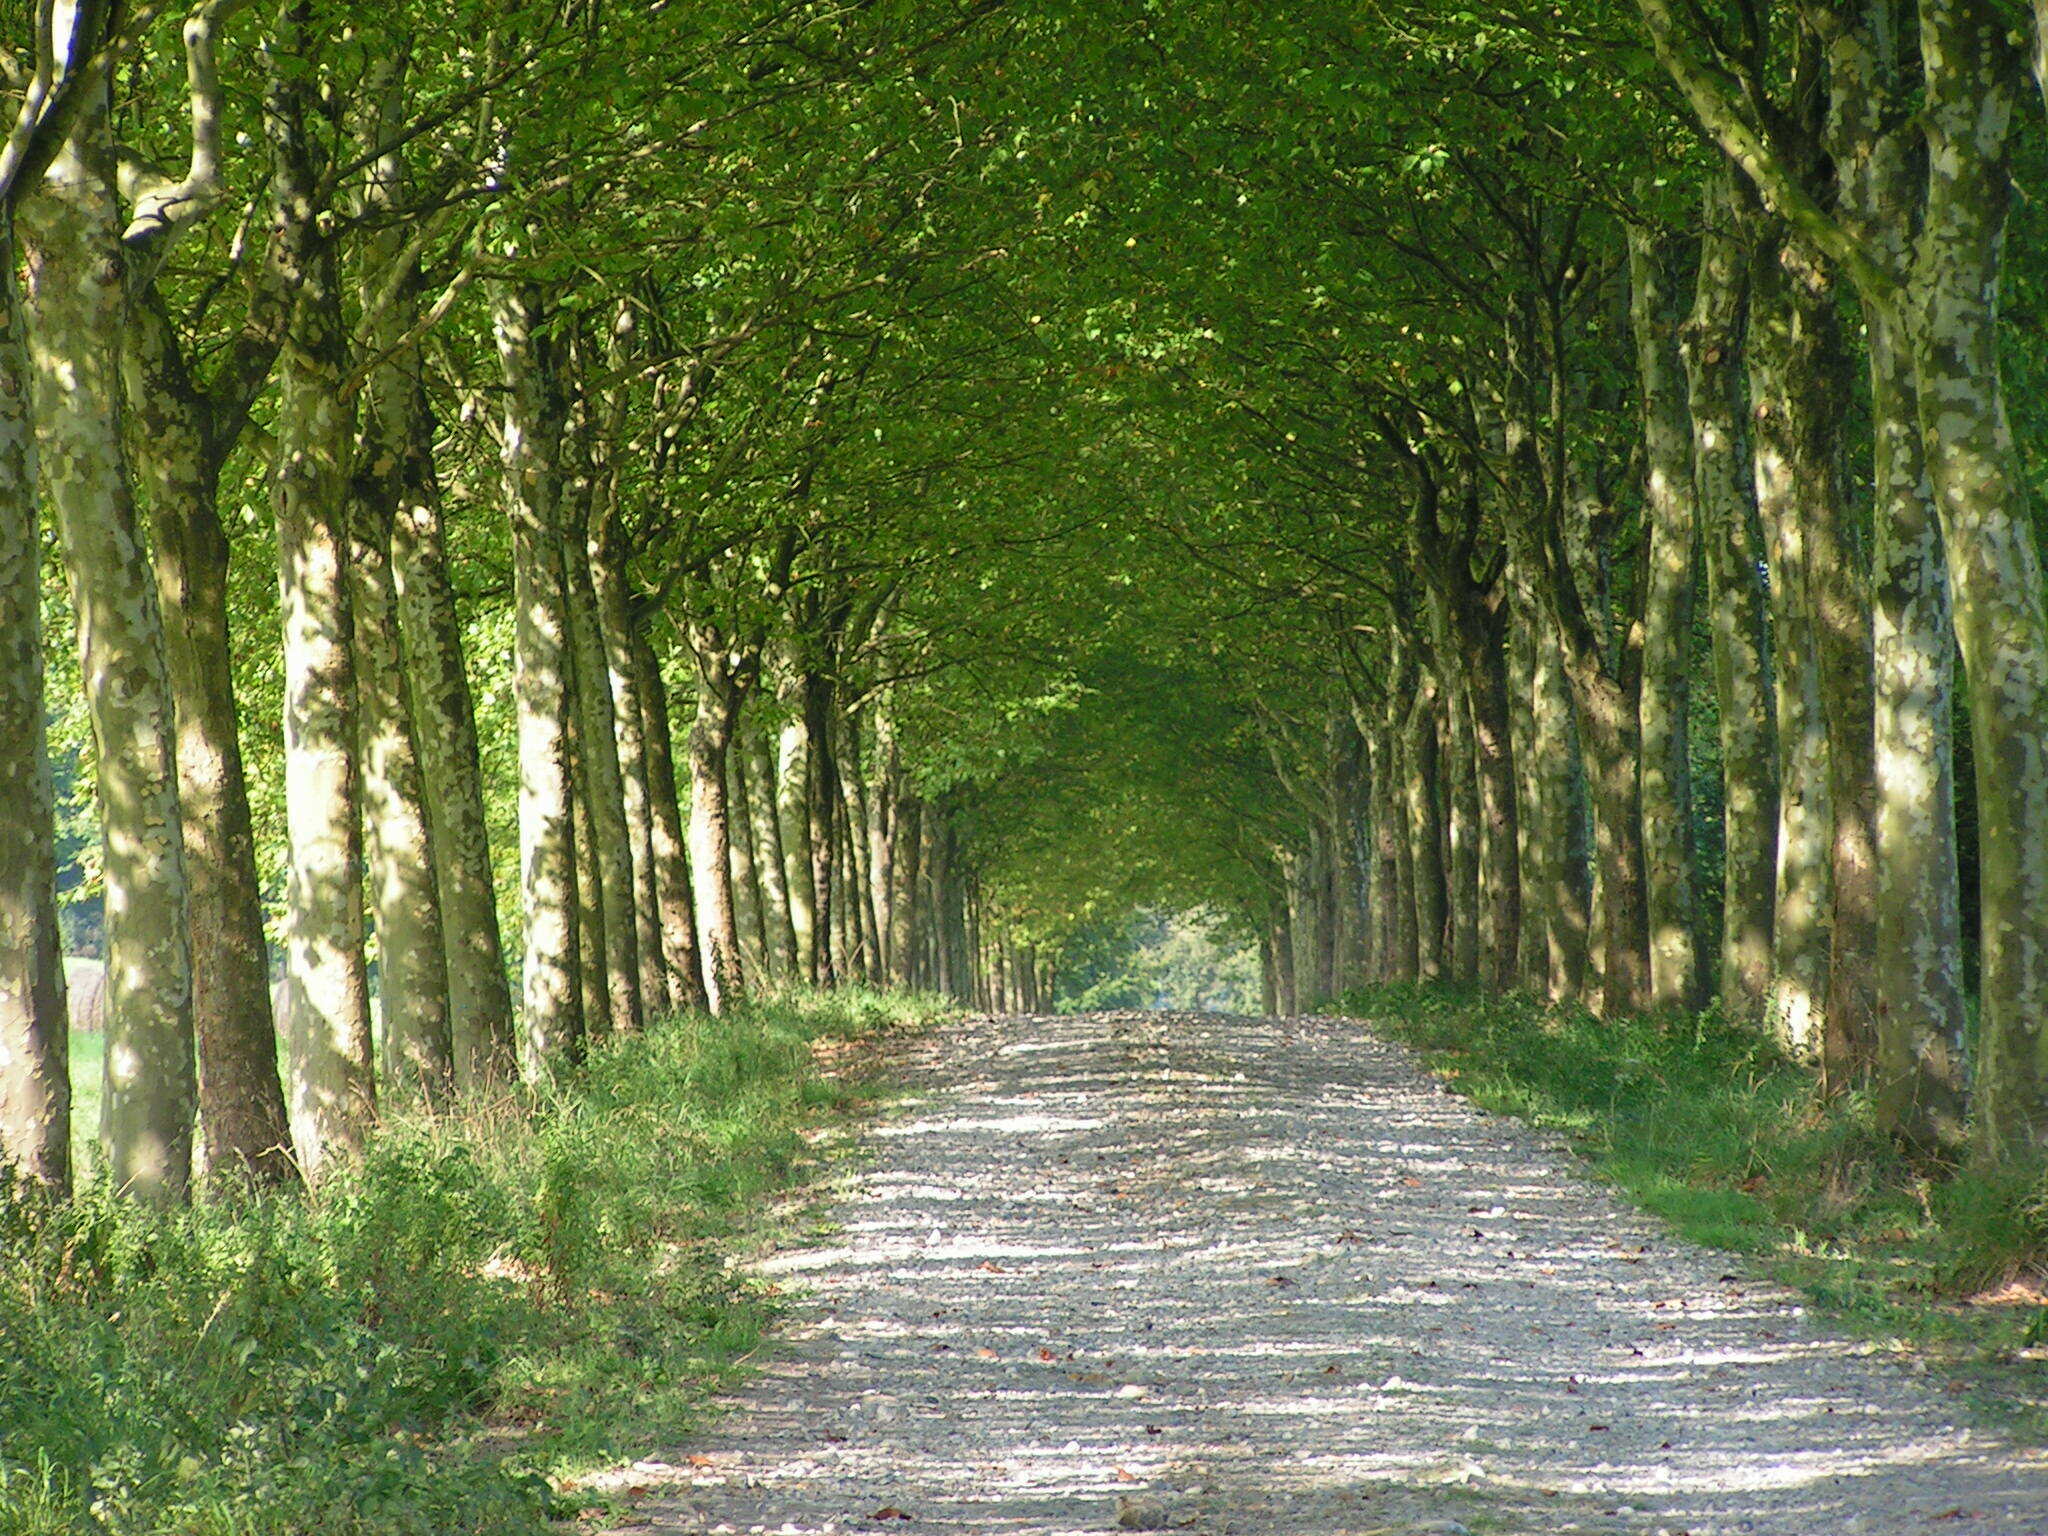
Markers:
{"x": 1149, "y": 1271}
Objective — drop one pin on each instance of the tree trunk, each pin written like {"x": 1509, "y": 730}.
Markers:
{"x": 823, "y": 790}
{"x": 749, "y": 899}
{"x": 906, "y": 839}
{"x": 597, "y": 717}
{"x": 1721, "y": 488}
{"x": 711, "y": 827}
{"x": 451, "y": 774}
{"x": 551, "y": 1014}
{"x": 772, "y": 857}
{"x": 1461, "y": 804}
{"x": 793, "y": 811}
{"x": 35, "y": 1064}
{"x": 592, "y": 974}
{"x": 1609, "y": 732}
{"x": 1789, "y": 488}
{"x": 1667, "y": 604}
{"x": 1796, "y": 317}
{"x": 75, "y": 308}
{"x": 629, "y": 711}
{"x": 241, "y": 1098}
{"x": 1994, "y": 567}
{"x": 680, "y": 950}
{"x": 412, "y": 958}
{"x": 1286, "y": 986}
{"x": 1425, "y": 833}
{"x": 1920, "y": 1084}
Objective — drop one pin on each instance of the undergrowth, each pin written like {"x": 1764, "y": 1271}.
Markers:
{"x": 443, "y": 1335}
{"x": 1707, "y": 1125}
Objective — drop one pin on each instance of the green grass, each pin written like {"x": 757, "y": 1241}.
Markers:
{"x": 1707, "y": 1125}
{"x": 88, "y": 1052}
{"x": 443, "y": 1338}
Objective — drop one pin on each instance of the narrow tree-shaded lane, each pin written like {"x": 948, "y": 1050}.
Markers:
{"x": 1230, "y": 1275}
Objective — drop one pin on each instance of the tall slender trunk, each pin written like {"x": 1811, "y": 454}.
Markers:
{"x": 711, "y": 827}
{"x": 1994, "y": 568}
{"x": 76, "y": 311}
{"x": 418, "y": 1028}
{"x": 1786, "y": 498}
{"x": 35, "y": 1063}
{"x": 1920, "y": 1084}
{"x": 823, "y": 789}
{"x": 1461, "y": 806}
{"x": 749, "y": 897}
{"x": 772, "y": 857}
{"x": 1559, "y": 799}
{"x": 597, "y": 715}
{"x": 1286, "y": 983}
{"x": 907, "y": 840}
{"x": 241, "y": 1097}
{"x": 1667, "y": 606}
{"x": 551, "y": 1015}
{"x": 1796, "y": 316}
{"x": 670, "y": 843}
{"x": 629, "y": 716}
{"x": 1610, "y": 736}
{"x": 793, "y": 811}
{"x": 592, "y": 974}
{"x": 1425, "y": 833}
{"x": 451, "y": 773}
{"x": 1722, "y": 490}
{"x": 412, "y": 959}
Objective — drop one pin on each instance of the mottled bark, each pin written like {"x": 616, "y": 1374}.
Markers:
{"x": 1422, "y": 789}
{"x": 1799, "y": 961}
{"x": 793, "y": 810}
{"x": 445, "y": 739}
{"x": 1722, "y": 489}
{"x": 405, "y": 902}
{"x": 76, "y": 313}
{"x": 1920, "y": 1013}
{"x": 597, "y": 717}
{"x": 1796, "y": 314}
{"x": 822, "y": 785}
{"x": 178, "y": 446}
{"x": 592, "y": 974}
{"x": 718, "y": 701}
{"x": 1994, "y": 566}
{"x": 906, "y": 838}
{"x": 551, "y": 1021}
{"x": 1667, "y": 607}
{"x": 1561, "y": 801}
{"x": 35, "y": 1065}
{"x": 1461, "y": 807}
{"x": 759, "y": 745}
{"x": 670, "y": 843}
{"x": 750, "y": 906}
{"x": 327, "y": 1004}
{"x": 629, "y": 715}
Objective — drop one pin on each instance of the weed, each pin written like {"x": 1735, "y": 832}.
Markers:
{"x": 434, "y": 1339}
{"x": 1701, "y": 1121}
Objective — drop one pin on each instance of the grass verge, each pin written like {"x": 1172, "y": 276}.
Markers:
{"x": 441, "y": 1338}
{"x": 1705, "y": 1124}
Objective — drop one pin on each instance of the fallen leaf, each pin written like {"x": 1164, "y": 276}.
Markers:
{"x": 1046, "y": 1354}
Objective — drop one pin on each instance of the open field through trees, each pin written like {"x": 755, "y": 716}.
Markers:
{"x": 524, "y": 519}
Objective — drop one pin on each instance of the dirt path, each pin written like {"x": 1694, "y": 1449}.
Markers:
{"x": 1257, "y": 1276}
